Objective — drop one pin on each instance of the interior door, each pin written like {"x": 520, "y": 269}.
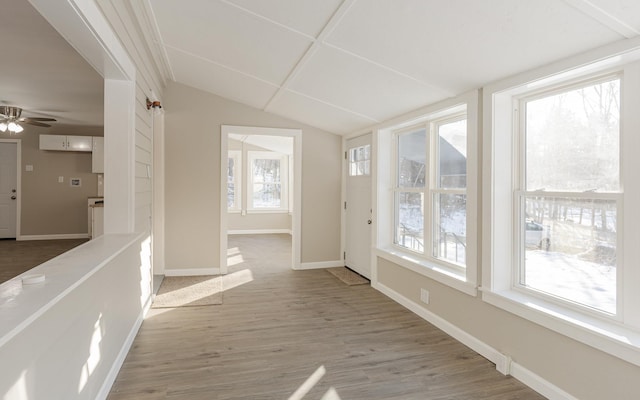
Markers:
{"x": 8, "y": 189}
{"x": 358, "y": 205}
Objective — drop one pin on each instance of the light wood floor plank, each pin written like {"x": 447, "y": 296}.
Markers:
{"x": 272, "y": 333}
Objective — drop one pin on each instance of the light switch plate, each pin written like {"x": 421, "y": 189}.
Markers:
{"x": 28, "y": 167}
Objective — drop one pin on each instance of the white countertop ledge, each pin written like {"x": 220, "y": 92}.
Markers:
{"x": 21, "y": 305}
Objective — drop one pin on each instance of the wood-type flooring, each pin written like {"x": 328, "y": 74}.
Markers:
{"x": 278, "y": 326}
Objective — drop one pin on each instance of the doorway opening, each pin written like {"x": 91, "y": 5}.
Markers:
{"x": 260, "y": 190}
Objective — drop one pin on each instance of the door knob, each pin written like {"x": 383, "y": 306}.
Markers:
{"x": 13, "y": 197}
{"x": 369, "y": 222}
{"x": 13, "y": 190}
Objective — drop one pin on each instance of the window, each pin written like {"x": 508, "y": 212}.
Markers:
{"x": 360, "y": 160}
{"x": 234, "y": 179}
{"x": 560, "y": 207}
{"x": 570, "y": 195}
{"x": 267, "y": 188}
{"x": 430, "y": 194}
{"x": 426, "y": 192}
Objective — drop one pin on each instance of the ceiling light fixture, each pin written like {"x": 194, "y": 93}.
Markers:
{"x": 10, "y": 120}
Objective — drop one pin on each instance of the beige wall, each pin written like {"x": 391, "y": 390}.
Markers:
{"x": 193, "y": 120}
{"x": 578, "y": 369}
{"x": 49, "y": 207}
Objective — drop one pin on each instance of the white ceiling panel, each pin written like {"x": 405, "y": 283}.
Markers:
{"x": 318, "y": 114}
{"x": 227, "y": 35}
{"x": 203, "y": 75}
{"x": 306, "y": 16}
{"x": 363, "y": 87}
{"x": 461, "y": 44}
{"x": 627, "y": 11}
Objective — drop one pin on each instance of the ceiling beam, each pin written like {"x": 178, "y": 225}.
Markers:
{"x": 604, "y": 17}
{"x": 326, "y": 31}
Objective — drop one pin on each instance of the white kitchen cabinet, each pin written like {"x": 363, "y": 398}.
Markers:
{"x": 97, "y": 155}
{"x": 65, "y": 143}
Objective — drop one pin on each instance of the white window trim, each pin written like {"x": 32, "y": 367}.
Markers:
{"x": 237, "y": 205}
{"x": 462, "y": 279}
{"x": 284, "y": 180}
{"x": 621, "y": 339}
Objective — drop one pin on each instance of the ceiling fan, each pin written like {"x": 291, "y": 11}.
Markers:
{"x": 10, "y": 119}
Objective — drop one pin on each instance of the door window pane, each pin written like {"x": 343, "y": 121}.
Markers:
{"x": 572, "y": 140}
{"x": 360, "y": 160}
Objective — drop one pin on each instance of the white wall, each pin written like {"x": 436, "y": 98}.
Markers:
{"x": 193, "y": 120}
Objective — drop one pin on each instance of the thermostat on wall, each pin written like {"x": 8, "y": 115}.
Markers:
{"x": 75, "y": 182}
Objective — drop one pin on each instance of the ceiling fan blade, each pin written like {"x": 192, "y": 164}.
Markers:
{"x": 27, "y": 120}
{"x": 36, "y": 123}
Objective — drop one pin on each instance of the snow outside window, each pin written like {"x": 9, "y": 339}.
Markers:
{"x": 569, "y": 194}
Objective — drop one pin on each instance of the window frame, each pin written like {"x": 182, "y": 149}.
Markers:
{"x": 461, "y": 279}
{"x": 618, "y": 335}
{"x": 253, "y": 155}
{"x": 521, "y": 193}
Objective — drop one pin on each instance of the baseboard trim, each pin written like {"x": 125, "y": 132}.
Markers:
{"x": 126, "y": 346}
{"x": 192, "y": 271}
{"x": 539, "y": 384}
{"x": 503, "y": 363}
{"x": 54, "y": 237}
{"x": 257, "y": 231}
{"x": 321, "y": 264}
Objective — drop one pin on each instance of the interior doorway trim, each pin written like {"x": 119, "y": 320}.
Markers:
{"x": 296, "y": 224}
{"x": 18, "y": 143}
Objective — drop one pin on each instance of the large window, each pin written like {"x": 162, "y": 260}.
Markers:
{"x": 267, "y": 181}
{"x": 430, "y": 189}
{"x": 561, "y": 209}
{"x": 426, "y": 192}
{"x": 570, "y": 194}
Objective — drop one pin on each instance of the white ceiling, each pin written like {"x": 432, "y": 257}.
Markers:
{"x": 41, "y": 73}
{"x": 345, "y": 65}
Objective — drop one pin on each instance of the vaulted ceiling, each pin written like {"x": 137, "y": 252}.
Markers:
{"x": 343, "y": 65}
{"x": 340, "y": 65}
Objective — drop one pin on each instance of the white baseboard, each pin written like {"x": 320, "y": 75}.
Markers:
{"x": 321, "y": 264}
{"x": 192, "y": 271}
{"x": 504, "y": 364}
{"x": 54, "y": 237}
{"x": 540, "y": 385}
{"x": 257, "y": 231}
{"x": 126, "y": 346}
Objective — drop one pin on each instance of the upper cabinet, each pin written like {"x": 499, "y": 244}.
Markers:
{"x": 66, "y": 143}
{"x": 97, "y": 157}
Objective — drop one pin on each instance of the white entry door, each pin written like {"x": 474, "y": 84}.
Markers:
{"x": 8, "y": 189}
{"x": 358, "y": 205}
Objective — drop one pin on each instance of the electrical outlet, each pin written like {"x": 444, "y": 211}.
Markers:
{"x": 424, "y": 296}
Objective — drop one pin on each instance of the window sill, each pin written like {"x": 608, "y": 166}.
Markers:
{"x": 268, "y": 211}
{"x": 609, "y": 337}
{"x": 437, "y": 272}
